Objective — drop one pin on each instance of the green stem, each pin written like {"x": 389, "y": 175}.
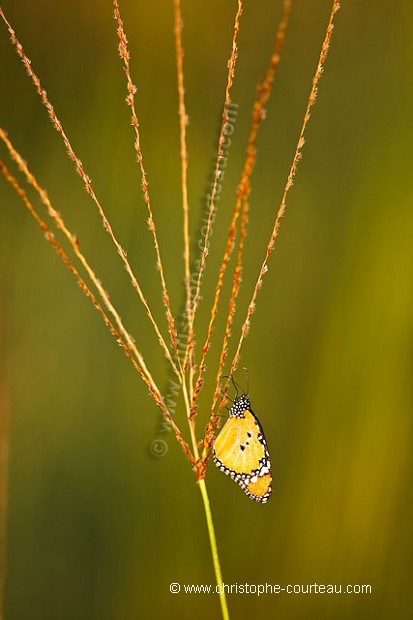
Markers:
{"x": 214, "y": 548}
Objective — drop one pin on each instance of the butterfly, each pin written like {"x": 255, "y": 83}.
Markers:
{"x": 241, "y": 451}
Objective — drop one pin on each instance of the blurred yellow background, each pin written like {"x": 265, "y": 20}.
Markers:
{"x": 99, "y": 528}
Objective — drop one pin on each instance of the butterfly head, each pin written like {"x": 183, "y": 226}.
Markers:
{"x": 240, "y": 405}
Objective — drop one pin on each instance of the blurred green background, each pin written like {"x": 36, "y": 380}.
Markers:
{"x": 97, "y": 527}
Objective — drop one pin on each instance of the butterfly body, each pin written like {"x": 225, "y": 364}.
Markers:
{"x": 241, "y": 451}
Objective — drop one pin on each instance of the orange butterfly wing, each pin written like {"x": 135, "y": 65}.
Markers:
{"x": 241, "y": 452}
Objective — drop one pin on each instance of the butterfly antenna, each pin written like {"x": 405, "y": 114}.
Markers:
{"x": 247, "y": 379}
{"x": 235, "y": 386}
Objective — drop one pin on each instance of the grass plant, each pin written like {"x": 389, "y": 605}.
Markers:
{"x": 187, "y": 365}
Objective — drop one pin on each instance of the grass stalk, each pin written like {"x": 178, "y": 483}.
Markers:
{"x": 130, "y": 100}
{"x": 293, "y": 169}
{"x": 263, "y": 94}
{"x": 211, "y": 208}
{"x": 214, "y": 548}
{"x": 86, "y": 181}
{"x": 122, "y": 336}
{"x": 183, "y": 122}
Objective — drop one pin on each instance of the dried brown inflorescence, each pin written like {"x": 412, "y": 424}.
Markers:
{"x": 186, "y": 365}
